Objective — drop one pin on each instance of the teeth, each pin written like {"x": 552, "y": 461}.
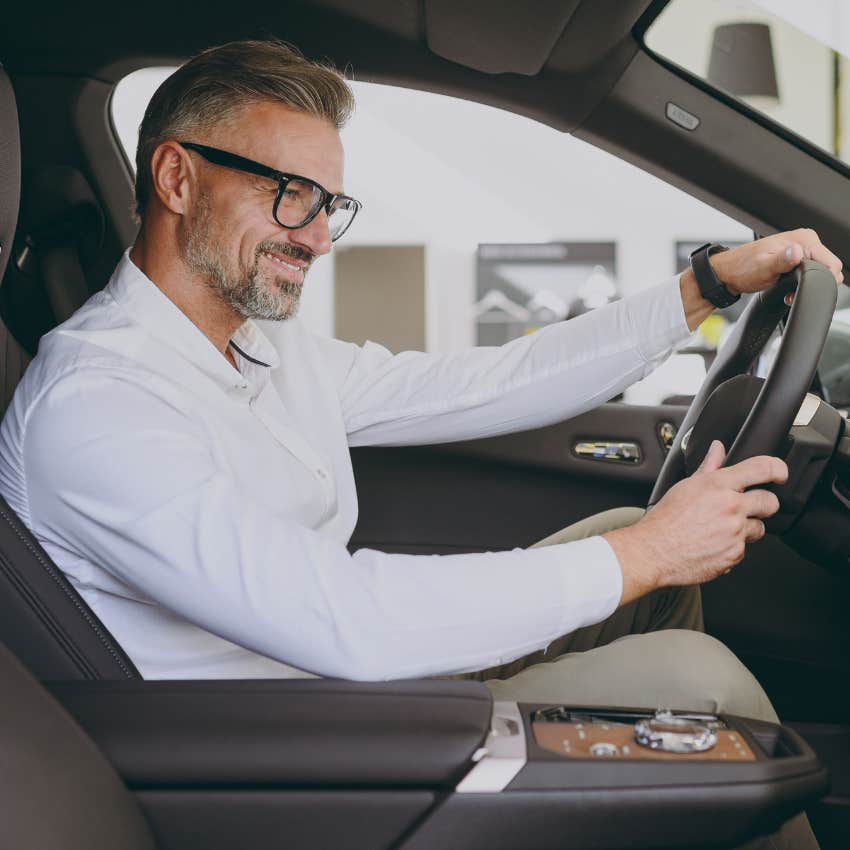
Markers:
{"x": 281, "y": 262}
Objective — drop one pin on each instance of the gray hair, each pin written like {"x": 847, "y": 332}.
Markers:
{"x": 219, "y": 83}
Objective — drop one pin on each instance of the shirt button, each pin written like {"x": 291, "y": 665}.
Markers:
{"x": 321, "y": 473}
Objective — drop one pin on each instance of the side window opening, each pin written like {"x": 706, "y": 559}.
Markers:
{"x": 487, "y": 232}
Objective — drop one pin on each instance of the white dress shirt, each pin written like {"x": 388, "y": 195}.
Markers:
{"x": 203, "y": 512}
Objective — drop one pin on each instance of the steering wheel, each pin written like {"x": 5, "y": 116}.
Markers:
{"x": 754, "y": 415}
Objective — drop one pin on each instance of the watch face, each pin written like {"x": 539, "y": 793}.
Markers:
{"x": 674, "y": 734}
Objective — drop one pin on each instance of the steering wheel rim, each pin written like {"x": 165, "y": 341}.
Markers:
{"x": 790, "y": 376}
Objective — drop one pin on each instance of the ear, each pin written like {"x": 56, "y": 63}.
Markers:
{"x": 173, "y": 176}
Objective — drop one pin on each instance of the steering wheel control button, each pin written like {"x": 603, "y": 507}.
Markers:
{"x": 604, "y": 749}
{"x": 672, "y": 734}
{"x": 710, "y": 286}
{"x": 686, "y": 120}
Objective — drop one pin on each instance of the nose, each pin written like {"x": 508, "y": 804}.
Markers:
{"x": 314, "y": 236}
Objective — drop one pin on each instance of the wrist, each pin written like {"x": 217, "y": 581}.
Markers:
{"x": 696, "y": 308}
{"x": 705, "y": 271}
{"x": 722, "y": 263}
{"x": 639, "y": 562}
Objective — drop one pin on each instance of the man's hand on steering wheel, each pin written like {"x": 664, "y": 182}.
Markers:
{"x": 756, "y": 266}
{"x": 699, "y": 530}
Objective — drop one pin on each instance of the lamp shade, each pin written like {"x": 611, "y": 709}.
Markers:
{"x": 742, "y": 60}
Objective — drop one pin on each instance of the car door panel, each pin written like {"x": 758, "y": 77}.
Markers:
{"x": 506, "y": 491}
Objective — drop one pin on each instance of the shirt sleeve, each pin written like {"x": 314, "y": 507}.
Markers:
{"x": 554, "y": 374}
{"x": 121, "y": 474}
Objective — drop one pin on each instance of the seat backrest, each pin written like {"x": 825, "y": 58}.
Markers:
{"x": 43, "y": 620}
{"x": 14, "y": 359}
{"x": 56, "y": 788}
{"x": 10, "y": 168}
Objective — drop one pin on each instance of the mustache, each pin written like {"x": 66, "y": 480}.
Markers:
{"x": 287, "y": 250}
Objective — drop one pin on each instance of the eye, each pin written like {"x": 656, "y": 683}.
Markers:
{"x": 265, "y": 186}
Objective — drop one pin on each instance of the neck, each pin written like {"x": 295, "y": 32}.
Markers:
{"x": 217, "y": 320}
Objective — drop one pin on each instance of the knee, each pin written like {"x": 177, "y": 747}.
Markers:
{"x": 704, "y": 672}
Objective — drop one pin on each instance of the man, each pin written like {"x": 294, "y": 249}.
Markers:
{"x": 180, "y": 445}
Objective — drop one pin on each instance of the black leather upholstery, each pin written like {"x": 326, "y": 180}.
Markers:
{"x": 56, "y": 788}
{"x": 14, "y": 360}
{"x": 10, "y": 168}
{"x": 282, "y": 732}
{"x": 42, "y": 618}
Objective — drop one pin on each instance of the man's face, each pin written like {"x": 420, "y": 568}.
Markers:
{"x": 230, "y": 238}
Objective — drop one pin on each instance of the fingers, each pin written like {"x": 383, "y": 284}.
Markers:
{"x": 806, "y": 243}
{"x": 759, "y": 503}
{"x": 754, "y": 530}
{"x": 787, "y": 259}
{"x": 754, "y": 470}
{"x": 714, "y": 457}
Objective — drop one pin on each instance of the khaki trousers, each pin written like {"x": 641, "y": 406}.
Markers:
{"x": 651, "y": 653}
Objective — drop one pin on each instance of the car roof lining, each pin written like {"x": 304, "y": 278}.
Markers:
{"x": 596, "y": 82}
{"x": 553, "y": 60}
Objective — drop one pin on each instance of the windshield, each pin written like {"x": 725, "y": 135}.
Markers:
{"x": 785, "y": 58}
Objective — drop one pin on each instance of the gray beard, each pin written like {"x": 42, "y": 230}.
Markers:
{"x": 254, "y": 293}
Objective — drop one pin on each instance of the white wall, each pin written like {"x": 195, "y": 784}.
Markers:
{"x": 452, "y": 174}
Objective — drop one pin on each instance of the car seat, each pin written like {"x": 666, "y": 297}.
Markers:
{"x": 56, "y": 788}
{"x": 43, "y": 620}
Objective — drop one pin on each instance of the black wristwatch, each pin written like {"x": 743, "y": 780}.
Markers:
{"x": 710, "y": 286}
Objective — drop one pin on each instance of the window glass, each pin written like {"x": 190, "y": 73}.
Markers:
{"x": 784, "y": 58}
{"x": 479, "y": 225}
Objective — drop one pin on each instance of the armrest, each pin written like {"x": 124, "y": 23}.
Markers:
{"x": 283, "y": 733}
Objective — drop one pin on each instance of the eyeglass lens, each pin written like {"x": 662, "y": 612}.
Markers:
{"x": 301, "y": 200}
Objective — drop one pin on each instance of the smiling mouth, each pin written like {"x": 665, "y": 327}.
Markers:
{"x": 278, "y": 260}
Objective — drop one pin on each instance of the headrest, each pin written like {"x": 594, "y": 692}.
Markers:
{"x": 10, "y": 168}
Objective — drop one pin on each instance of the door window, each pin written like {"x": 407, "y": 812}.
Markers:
{"x": 479, "y": 225}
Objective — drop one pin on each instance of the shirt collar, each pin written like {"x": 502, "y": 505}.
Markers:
{"x": 163, "y": 319}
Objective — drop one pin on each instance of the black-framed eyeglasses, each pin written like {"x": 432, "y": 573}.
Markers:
{"x": 298, "y": 199}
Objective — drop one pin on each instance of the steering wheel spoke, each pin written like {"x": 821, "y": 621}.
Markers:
{"x": 765, "y": 412}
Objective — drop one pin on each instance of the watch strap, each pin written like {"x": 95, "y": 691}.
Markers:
{"x": 710, "y": 286}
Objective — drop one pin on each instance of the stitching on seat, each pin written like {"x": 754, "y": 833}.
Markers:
{"x": 52, "y": 573}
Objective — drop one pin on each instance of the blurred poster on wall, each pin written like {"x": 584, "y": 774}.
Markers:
{"x": 522, "y": 287}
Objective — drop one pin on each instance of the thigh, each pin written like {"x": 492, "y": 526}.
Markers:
{"x": 676, "y": 669}
{"x": 590, "y": 526}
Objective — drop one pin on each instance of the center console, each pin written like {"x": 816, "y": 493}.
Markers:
{"x": 435, "y": 764}
{"x": 565, "y": 777}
